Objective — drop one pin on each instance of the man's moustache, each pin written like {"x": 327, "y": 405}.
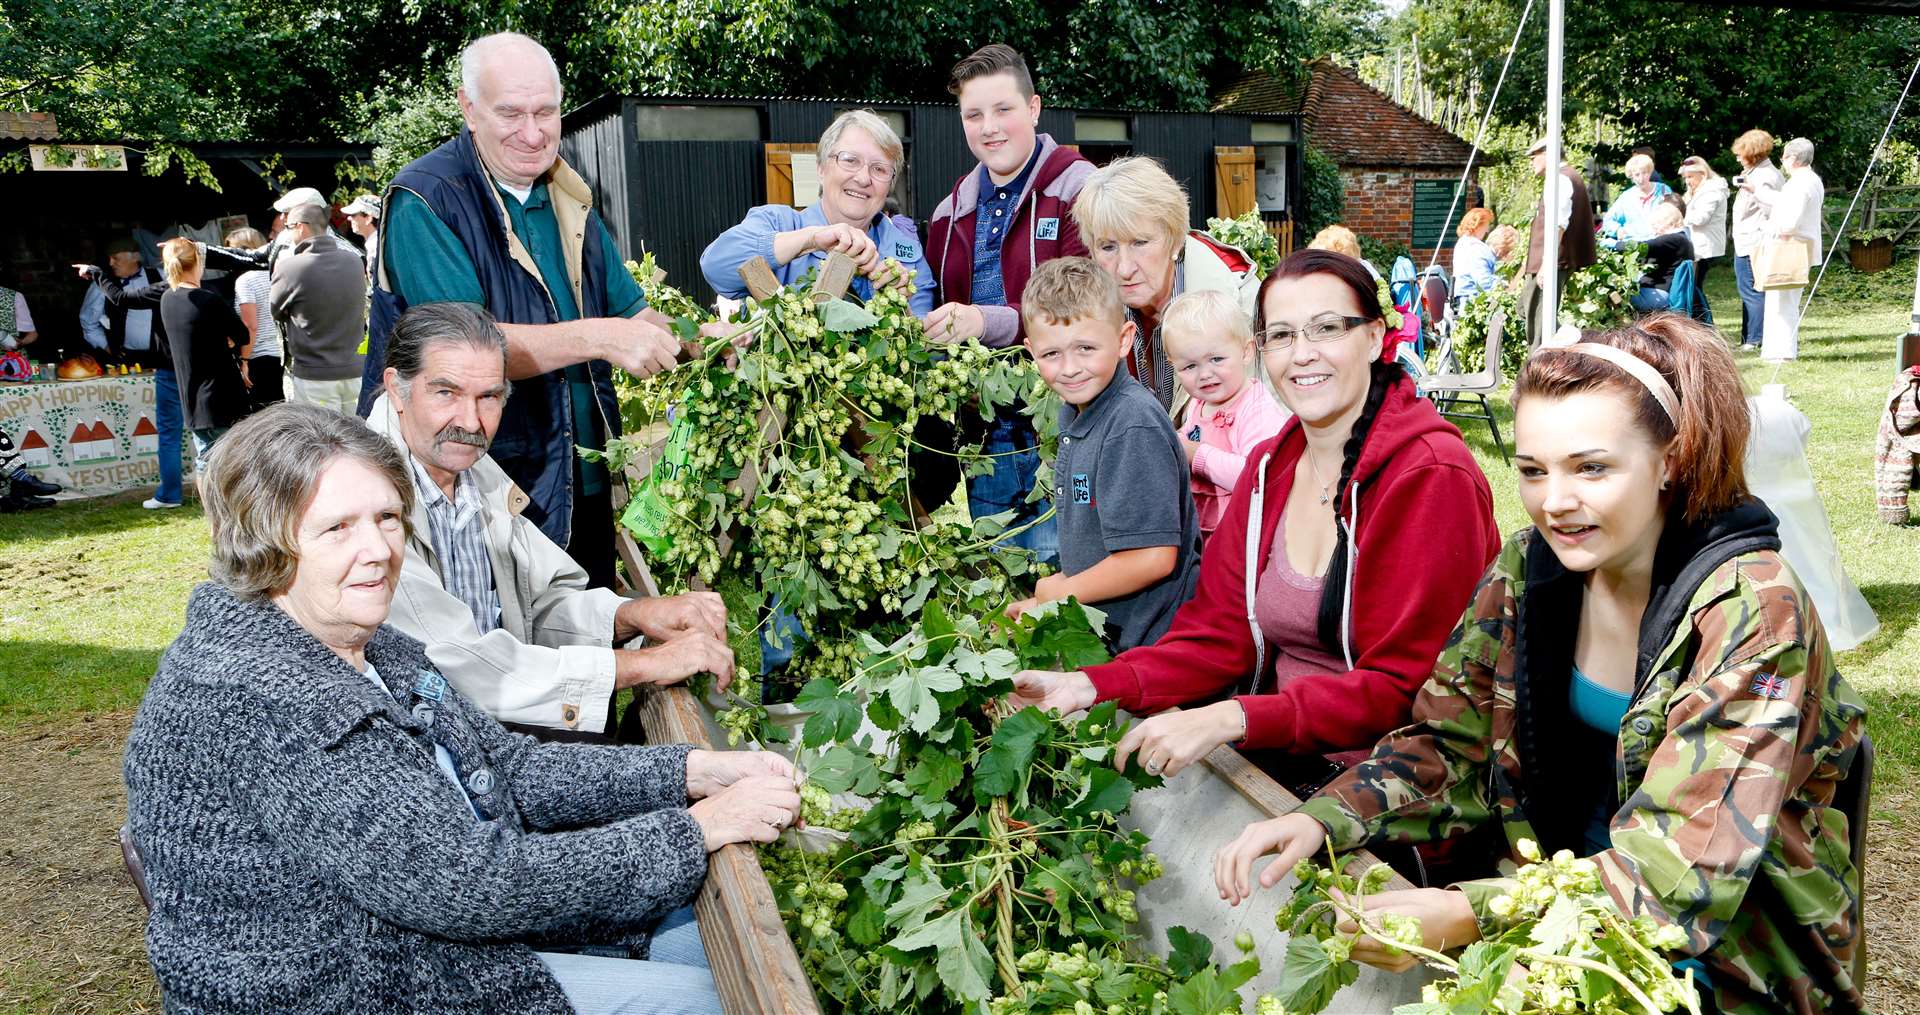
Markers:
{"x": 456, "y": 435}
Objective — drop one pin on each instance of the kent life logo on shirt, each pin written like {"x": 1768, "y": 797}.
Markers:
{"x": 904, "y": 252}
{"x": 1082, "y": 489}
{"x": 1047, "y": 229}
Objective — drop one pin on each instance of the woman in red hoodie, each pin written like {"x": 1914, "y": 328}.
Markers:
{"x": 1346, "y": 555}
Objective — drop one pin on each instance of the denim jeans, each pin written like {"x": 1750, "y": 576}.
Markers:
{"x": 674, "y": 979}
{"x": 1753, "y": 302}
{"x": 1649, "y": 299}
{"x": 166, "y": 405}
{"x": 1007, "y": 486}
{"x": 203, "y": 438}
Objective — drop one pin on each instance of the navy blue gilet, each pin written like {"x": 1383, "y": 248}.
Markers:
{"x": 535, "y": 444}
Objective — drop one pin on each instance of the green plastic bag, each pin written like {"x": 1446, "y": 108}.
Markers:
{"x": 648, "y": 510}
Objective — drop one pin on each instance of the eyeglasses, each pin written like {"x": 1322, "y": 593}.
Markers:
{"x": 1325, "y": 328}
{"x": 851, "y": 163}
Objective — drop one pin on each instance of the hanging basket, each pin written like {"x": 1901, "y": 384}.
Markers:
{"x": 1871, "y": 256}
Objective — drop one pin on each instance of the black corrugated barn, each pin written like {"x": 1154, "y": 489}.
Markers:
{"x": 672, "y": 173}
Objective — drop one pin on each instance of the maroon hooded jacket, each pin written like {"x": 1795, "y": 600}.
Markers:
{"x": 1041, "y": 230}
{"x": 1422, "y": 533}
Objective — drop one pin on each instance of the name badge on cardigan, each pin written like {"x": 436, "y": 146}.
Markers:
{"x": 430, "y": 685}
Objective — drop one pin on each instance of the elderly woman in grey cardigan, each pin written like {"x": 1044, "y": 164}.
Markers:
{"x": 328, "y": 826}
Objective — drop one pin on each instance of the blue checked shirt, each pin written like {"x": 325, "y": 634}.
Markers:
{"x": 460, "y": 542}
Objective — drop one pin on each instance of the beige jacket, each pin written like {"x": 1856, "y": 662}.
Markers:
{"x": 1794, "y": 209}
{"x": 550, "y": 662}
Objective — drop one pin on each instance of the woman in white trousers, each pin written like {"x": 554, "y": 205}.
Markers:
{"x": 1793, "y": 213}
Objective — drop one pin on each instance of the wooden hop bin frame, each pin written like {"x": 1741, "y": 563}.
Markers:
{"x": 756, "y": 968}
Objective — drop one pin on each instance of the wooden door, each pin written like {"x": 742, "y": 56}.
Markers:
{"x": 1233, "y": 190}
{"x": 780, "y": 171}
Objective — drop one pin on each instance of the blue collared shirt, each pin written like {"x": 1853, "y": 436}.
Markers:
{"x": 894, "y": 238}
{"x": 998, "y": 205}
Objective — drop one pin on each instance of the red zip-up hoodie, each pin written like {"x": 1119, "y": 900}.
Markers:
{"x": 1420, "y": 517}
{"x": 1040, "y": 230}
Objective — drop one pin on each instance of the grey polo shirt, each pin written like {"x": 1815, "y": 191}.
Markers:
{"x": 1120, "y": 483}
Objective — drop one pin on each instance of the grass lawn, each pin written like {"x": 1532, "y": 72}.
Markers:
{"x": 92, "y": 592}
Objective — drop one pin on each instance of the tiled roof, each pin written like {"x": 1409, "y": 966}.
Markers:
{"x": 1354, "y": 123}
{"x": 28, "y": 126}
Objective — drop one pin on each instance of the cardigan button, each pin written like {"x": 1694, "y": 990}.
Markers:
{"x": 481, "y": 781}
{"x": 423, "y": 713}
{"x": 1642, "y": 725}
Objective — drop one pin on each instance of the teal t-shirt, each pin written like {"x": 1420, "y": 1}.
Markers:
{"x": 426, "y": 263}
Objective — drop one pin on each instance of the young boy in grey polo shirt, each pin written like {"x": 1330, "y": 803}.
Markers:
{"x": 1129, "y": 534}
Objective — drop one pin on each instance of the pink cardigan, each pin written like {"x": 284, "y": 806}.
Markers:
{"x": 1226, "y": 436}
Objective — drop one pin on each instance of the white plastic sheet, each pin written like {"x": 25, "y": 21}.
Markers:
{"x": 1778, "y": 473}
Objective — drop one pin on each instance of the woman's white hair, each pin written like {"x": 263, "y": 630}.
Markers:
{"x": 1131, "y": 198}
{"x": 1798, "y": 151}
{"x": 1638, "y": 162}
{"x": 474, "y": 58}
{"x": 876, "y": 128}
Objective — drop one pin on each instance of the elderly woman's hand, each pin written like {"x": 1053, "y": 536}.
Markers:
{"x": 753, "y": 809}
{"x": 709, "y": 772}
{"x": 849, "y": 241}
{"x": 897, "y": 275}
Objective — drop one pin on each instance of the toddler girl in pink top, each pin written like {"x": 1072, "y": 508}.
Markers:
{"x": 1209, "y": 341}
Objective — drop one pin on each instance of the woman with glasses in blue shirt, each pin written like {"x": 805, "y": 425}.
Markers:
{"x": 859, "y": 158}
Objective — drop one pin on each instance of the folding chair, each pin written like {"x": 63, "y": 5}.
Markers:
{"x": 136, "y": 865}
{"x": 1449, "y": 391}
{"x": 1854, "y": 798}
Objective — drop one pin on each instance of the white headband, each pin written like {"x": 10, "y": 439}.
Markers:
{"x": 1641, "y": 370}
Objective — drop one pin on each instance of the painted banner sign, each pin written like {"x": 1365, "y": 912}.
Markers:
{"x": 93, "y": 437}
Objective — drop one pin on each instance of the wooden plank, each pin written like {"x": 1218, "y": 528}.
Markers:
{"x": 831, "y": 282}
{"x": 1233, "y": 190}
{"x": 755, "y": 967}
{"x": 759, "y": 277}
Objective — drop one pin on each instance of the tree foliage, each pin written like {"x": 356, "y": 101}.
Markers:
{"x": 1119, "y": 53}
{"x": 1683, "y": 78}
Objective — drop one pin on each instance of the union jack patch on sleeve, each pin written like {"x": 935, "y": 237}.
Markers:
{"x": 1769, "y": 685}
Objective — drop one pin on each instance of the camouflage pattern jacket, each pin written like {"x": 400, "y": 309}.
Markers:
{"x": 1725, "y": 764}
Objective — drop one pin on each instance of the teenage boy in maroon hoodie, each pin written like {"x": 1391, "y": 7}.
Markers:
{"x": 1000, "y": 221}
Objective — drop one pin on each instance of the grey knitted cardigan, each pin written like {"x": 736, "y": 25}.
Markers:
{"x": 306, "y": 854}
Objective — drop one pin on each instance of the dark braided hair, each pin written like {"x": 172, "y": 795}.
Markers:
{"x": 1380, "y": 379}
{"x": 1381, "y": 376}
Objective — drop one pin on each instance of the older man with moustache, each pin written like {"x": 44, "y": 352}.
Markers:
{"x": 494, "y": 218}
{"x": 505, "y": 615}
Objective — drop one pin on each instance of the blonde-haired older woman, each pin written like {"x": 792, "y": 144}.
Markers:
{"x": 1706, "y": 215}
{"x": 1474, "y": 262}
{"x": 859, "y": 158}
{"x": 1133, "y": 217}
{"x": 1630, "y": 218}
{"x": 328, "y": 825}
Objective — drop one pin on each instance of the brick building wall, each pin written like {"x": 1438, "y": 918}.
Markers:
{"x": 1380, "y": 206}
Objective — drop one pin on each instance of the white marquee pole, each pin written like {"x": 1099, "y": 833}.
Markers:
{"x": 1552, "y": 181}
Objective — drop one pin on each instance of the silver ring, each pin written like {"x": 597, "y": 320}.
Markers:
{"x": 1153, "y": 768}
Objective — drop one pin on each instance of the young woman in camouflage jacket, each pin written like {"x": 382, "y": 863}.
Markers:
{"x": 1725, "y": 722}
